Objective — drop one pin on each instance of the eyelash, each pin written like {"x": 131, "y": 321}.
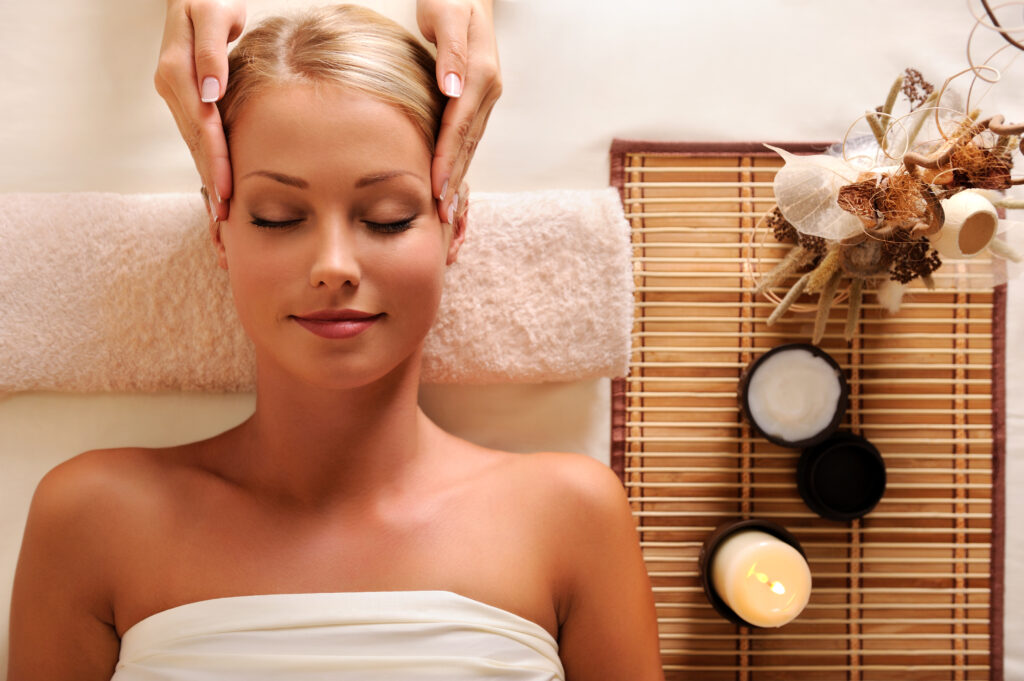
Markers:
{"x": 270, "y": 224}
{"x": 381, "y": 227}
{"x": 391, "y": 227}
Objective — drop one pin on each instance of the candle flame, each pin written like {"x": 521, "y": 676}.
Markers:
{"x": 775, "y": 586}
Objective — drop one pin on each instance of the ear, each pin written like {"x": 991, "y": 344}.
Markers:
{"x": 458, "y": 236}
{"x": 218, "y": 242}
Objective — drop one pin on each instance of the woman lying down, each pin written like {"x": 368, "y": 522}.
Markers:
{"x": 337, "y": 533}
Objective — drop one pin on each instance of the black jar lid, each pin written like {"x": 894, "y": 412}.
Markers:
{"x": 841, "y": 404}
{"x": 841, "y": 478}
{"x": 715, "y": 539}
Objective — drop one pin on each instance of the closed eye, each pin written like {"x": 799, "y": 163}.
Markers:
{"x": 390, "y": 227}
{"x": 274, "y": 224}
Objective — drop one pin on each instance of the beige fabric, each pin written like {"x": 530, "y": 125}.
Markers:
{"x": 365, "y": 636}
{"x": 124, "y": 294}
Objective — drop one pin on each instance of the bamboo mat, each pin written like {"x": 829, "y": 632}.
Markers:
{"x": 913, "y": 591}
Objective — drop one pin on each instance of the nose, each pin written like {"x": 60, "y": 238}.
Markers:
{"x": 336, "y": 261}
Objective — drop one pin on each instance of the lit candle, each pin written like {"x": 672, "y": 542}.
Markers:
{"x": 763, "y": 580}
{"x": 795, "y": 395}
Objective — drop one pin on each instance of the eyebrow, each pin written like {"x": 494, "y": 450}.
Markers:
{"x": 298, "y": 182}
{"x": 382, "y": 177}
{"x": 280, "y": 177}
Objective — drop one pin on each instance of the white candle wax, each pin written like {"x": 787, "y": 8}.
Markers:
{"x": 762, "y": 578}
{"x": 793, "y": 394}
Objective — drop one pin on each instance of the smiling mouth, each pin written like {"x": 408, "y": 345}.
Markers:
{"x": 337, "y": 325}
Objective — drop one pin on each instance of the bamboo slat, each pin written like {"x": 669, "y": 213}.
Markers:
{"x": 910, "y": 591}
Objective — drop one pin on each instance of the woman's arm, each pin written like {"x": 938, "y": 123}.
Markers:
{"x": 61, "y": 623}
{"x": 608, "y": 627}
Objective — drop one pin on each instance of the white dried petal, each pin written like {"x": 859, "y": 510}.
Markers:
{"x": 806, "y": 189}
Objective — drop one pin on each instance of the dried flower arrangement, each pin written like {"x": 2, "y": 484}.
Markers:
{"x": 889, "y": 216}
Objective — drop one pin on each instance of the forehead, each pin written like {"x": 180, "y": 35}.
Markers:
{"x": 313, "y": 125}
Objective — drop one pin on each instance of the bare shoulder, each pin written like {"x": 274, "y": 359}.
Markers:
{"x": 577, "y": 506}
{"x": 62, "y": 603}
{"x": 577, "y": 485}
{"x": 87, "y": 506}
{"x": 97, "y": 483}
{"x": 83, "y": 506}
{"x": 604, "y": 603}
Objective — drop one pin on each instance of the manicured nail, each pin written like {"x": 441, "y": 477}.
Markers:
{"x": 453, "y": 85}
{"x": 211, "y": 89}
{"x": 451, "y": 208}
{"x": 444, "y": 190}
{"x": 213, "y": 209}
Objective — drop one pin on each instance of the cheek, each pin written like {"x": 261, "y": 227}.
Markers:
{"x": 255, "y": 271}
{"x": 417, "y": 273}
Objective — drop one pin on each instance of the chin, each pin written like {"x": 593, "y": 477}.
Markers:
{"x": 350, "y": 373}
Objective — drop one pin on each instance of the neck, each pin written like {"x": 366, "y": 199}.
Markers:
{"x": 315, "y": 445}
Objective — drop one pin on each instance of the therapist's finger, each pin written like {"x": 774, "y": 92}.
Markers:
{"x": 447, "y": 26}
{"x": 200, "y": 127}
{"x": 465, "y": 117}
{"x": 457, "y": 144}
{"x": 215, "y": 23}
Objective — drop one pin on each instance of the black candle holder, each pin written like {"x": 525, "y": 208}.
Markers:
{"x": 842, "y": 478}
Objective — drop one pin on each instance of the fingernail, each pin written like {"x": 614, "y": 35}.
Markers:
{"x": 451, "y": 208}
{"x": 444, "y": 190}
{"x": 453, "y": 85}
{"x": 211, "y": 89}
{"x": 213, "y": 209}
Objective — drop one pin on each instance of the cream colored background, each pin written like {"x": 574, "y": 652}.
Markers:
{"x": 80, "y": 114}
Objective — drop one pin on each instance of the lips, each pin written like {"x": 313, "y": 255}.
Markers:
{"x": 337, "y": 324}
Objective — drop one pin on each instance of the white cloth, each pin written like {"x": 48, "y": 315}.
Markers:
{"x": 369, "y": 636}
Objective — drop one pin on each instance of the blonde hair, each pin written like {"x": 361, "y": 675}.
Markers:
{"x": 346, "y": 45}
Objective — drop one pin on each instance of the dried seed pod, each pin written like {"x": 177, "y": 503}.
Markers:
{"x": 858, "y": 198}
{"x": 864, "y": 260}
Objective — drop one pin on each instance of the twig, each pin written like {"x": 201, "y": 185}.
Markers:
{"x": 825, "y": 298}
{"x": 1002, "y": 31}
{"x": 1010, "y": 204}
{"x": 996, "y": 124}
{"x": 796, "y": 258}
{"x": 791, "y": 296}
{"x": 853, "y": 310}
{"x": 1004, "y": 250}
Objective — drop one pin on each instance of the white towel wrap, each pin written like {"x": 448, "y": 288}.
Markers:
{"x": 111, "y": 292}
{"x": 364, "y": 636}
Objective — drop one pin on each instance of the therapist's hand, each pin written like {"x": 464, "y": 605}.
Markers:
{"x": 469, "y": 73}
{"x": 192, "y": 75}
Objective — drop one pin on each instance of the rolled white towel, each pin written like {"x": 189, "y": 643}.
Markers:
{"x": 111, "y": 292}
